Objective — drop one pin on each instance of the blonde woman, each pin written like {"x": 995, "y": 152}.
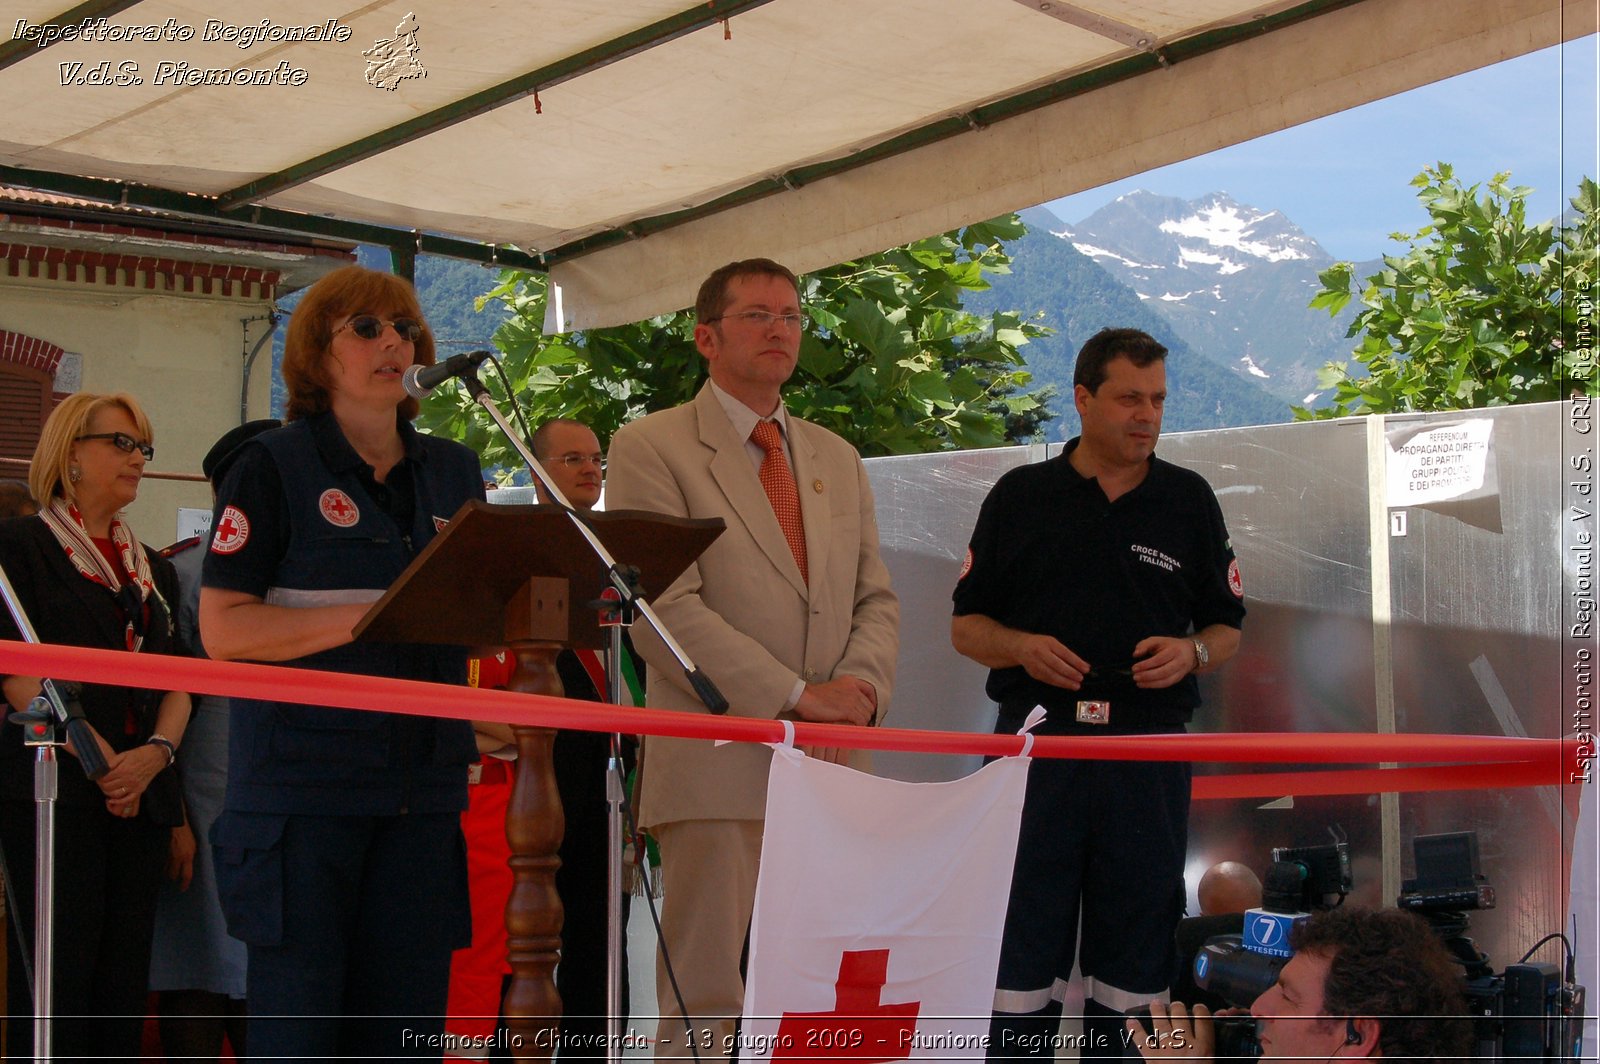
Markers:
{"x": 86, "y": 580}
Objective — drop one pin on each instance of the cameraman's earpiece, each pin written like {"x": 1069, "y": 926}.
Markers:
{"x": 1352, "y": 1037}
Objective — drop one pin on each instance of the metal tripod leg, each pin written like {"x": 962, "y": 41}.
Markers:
{"x": 45, "y": 781}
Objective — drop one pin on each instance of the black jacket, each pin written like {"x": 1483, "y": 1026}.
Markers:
{"x": 69, "y": 610}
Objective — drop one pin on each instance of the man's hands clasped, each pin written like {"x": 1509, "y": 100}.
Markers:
{"x": 1158, "y": 661}
{"x": 842, "y": 700}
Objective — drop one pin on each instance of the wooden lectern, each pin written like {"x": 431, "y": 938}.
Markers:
{"x": 522, "y": 576}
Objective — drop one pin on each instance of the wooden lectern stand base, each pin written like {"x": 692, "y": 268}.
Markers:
{"x": 534, "y": 827}
{"x": 446, "y": 595}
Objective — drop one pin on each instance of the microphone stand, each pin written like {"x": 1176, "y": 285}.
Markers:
{"x": 622, "y": 580}
{"x": 615, "y": 831}
{"x": 47, "y": 716}
{"x": 703, "y": 687}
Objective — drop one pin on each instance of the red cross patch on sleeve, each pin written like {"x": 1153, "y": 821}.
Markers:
{"x": 232, "y": 531}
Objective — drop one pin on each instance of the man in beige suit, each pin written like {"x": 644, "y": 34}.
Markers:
{"x": 789, "y": 613}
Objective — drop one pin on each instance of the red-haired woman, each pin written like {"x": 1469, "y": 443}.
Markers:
{"x": 339, "y": 855}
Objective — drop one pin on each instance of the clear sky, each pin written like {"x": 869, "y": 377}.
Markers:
{"x": 1345, "y": 179}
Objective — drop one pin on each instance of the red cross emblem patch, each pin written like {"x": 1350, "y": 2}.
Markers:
{"x": 232, "y": 531}
{"x": 338, "y": 509}
{"x": 1235, "y": 581}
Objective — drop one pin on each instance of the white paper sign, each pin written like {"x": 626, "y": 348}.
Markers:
{"x": 1444, "y": 462}
{"x": 193, "y": 521}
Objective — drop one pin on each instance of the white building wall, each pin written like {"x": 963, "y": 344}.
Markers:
{"x": 180, "y": 355}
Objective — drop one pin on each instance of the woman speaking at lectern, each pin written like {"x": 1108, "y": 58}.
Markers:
{"x": 339, "y": 855}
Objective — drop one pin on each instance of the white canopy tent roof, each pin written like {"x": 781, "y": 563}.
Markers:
{"x": 632, "y": 147}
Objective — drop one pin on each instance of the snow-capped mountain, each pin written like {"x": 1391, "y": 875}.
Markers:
{"x": 1076, "y": 298}
{"x": 1205, "y": 238}
{"x": 1232, "y": 278}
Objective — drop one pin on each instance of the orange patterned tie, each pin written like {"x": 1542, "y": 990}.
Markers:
{"x": 778, "y": 481}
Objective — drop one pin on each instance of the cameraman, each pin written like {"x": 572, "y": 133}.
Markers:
{"x": 1362, "y": 983}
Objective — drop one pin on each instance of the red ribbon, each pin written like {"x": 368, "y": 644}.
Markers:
{"x": 1480, "y": 761}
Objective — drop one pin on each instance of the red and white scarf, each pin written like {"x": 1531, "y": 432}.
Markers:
{"x": 63, "y": 519}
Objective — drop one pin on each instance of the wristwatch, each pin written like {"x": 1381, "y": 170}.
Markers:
{"x": 1202, "y": 655}
{"x": 166, "y": 744}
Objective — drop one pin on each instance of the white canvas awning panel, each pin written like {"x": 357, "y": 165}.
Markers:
{"x": 810, "y": 131}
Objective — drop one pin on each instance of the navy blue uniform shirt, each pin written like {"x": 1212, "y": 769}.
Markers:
{"x": 1051, "y": 555}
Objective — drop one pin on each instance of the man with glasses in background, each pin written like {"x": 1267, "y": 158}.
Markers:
{"x": 570, "y": 453}
{"x": 789, "y": 611}
{"x": 1096, "y": 585}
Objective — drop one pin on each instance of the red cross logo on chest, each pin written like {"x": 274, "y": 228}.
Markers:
{"x": 337, "y": 507}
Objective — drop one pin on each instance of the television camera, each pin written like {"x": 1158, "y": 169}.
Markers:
{"x": 1530, "y": 1011}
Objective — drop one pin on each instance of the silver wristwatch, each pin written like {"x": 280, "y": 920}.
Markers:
{"x": 1202, "y": 655}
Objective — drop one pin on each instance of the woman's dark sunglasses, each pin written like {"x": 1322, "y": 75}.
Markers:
{"x": 370, "y": 327}
{"x": 124, "y": 443}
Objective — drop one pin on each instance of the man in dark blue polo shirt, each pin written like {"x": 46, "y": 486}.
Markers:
{"x": 1096, "y": 585}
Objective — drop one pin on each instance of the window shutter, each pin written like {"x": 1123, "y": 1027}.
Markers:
{"x": 24, "y": 405}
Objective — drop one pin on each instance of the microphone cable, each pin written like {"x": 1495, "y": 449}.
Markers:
{"x": 642, "y": 861}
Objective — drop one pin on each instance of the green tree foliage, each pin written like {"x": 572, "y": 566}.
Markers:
{"x": 1482, "y": 310}
{"x": 891, "y": 362}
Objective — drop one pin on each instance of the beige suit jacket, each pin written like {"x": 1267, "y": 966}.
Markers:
{"x": 742, "y": 612}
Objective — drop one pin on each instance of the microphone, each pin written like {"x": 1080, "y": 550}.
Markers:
{"x": 418, "y": 381}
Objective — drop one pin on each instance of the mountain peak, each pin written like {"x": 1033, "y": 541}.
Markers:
{"x": 1213, "y": 234}
{"x": 1233, "y": 278}
{"x": 1225, "y": 226}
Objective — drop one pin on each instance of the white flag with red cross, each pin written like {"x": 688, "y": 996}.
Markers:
{"x": 878, "y": 913}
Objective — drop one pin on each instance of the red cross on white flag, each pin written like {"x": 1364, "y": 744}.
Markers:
{"x": 859, "y": 1023}
{"x": 878, "y": 913}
